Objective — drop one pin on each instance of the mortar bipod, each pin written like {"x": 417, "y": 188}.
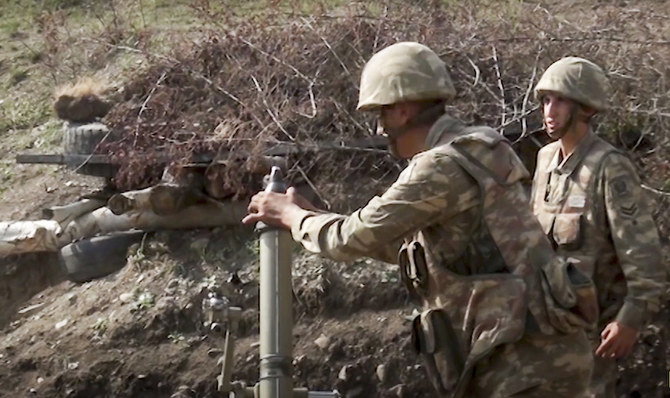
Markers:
{"x": 218, "y": 313}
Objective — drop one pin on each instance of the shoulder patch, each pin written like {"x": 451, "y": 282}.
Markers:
{"x": 621, "y": 191}
{"x": 628, "y": 210}
{"x": 620, "y": 187}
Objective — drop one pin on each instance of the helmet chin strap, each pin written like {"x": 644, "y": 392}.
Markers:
{"x": 427, "y": 116}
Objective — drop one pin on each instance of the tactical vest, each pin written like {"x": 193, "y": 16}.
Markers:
{"x": 470, "y": 315}
{"x": 567, "y": 219}
{"x": 574, "y": 221}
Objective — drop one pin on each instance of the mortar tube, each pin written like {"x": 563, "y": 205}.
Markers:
{"x": 276, "y": 317}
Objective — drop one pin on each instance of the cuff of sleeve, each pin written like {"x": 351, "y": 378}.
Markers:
{"x": 631, "y": 315}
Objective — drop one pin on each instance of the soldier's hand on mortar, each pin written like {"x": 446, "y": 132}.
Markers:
{"x": 617, "y": 340}
{"x": 277, "y": 209}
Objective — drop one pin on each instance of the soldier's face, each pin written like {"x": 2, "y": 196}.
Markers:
{"x": 391, "y": 123}
{"x": 389, "y": 118}
{"x": 557, "y": 112}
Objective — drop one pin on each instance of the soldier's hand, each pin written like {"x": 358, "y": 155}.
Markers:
{"x": 276, "y": 209}
{"x": 617, "y": 340}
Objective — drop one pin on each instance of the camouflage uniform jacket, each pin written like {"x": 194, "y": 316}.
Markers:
{"x": 437, "y": 206}
{"x": 592, "y": 207}
{"x": 433, "y": 194}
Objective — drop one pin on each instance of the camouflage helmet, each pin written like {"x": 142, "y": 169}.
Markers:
{"x": 577, "y": 79}
{"x": 405, "y": 71}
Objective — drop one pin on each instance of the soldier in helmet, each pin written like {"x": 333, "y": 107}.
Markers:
{"x": 588, "y": 199}
{"x": 502, "y": 315}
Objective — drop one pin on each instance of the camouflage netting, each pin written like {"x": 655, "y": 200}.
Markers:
{"x": 242, "y": 87}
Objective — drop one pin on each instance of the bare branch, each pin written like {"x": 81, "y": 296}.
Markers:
{"x": 269, "y": 111}
{"x": 477, "y": 71}
{"x": 656, "y": 191}
{"x": 503, "y": 106}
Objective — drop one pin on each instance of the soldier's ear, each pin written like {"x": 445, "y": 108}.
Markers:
{"x": 407, "y": 110}
{"x": 586, "y": 112}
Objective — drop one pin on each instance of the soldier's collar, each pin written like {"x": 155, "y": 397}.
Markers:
{"x": 443, "y": 131}
{"x": 569, "y": 164}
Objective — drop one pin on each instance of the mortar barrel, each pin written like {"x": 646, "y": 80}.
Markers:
{"x": 276, "y": 318}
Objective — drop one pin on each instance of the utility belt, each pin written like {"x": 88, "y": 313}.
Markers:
{"x": 479, "y": 313}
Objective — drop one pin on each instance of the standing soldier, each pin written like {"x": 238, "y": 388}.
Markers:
{"x": 589, "y": 202}
{"x": 458, "y": 224}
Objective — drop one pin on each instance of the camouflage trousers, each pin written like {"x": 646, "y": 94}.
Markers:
{"x": 603, "y": 381}
{"x": 536, "y": 366}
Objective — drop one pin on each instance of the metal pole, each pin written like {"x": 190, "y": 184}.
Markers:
{"x": 276, "y": 322}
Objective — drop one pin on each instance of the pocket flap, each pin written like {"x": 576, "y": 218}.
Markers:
{"x": 546, "y": 220}
{"x": 423, "y": 334}
{"x": 567, "y": 230}
{"x": 428, "y": 329}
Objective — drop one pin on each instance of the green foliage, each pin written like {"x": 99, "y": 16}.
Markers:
{"x": 17, "y": 75}
{"x": 100, "y": 327}
{"x": 24, "y": 112}
{"x": 137, "y": 257}
{"x": 11, "y": 26}
{"x": 254, "y": 248}
{"x": 6, "y": 176}
{"x": 19, "y": 15}
{"x": 143, "y": 301}
{"x": 32, "y": 7}
{"x": 176, "y": 337}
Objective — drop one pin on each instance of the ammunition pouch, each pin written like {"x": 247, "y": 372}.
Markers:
{"x": 481, "y": 313}
{"x": 572, "y": 300}
{"x": 434, "y": 338}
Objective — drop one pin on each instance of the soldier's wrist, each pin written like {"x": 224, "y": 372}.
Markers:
{"x": 631, "y": 315}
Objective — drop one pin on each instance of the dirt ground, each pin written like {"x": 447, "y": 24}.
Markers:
{"x": 140, "y": 332}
